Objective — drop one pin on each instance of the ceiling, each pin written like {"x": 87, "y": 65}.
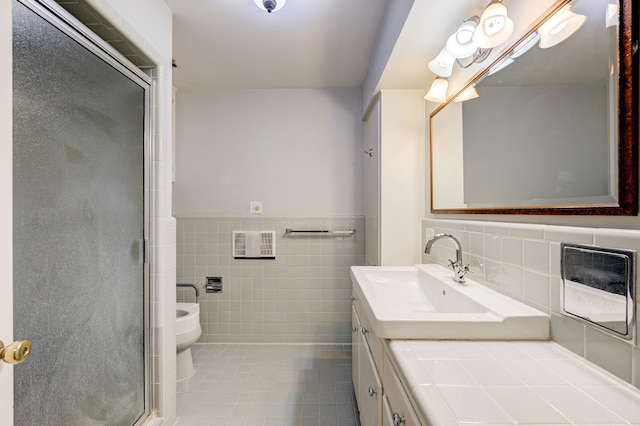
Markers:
{"x": 232, "y": 44}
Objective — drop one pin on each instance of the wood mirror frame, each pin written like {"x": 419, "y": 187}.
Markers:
{"x": 628, "y": 115}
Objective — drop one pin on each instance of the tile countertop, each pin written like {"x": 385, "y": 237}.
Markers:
{"x": 507, "y": 383}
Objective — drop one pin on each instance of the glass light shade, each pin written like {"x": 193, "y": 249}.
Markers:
{"x": 560, "y": 27}
{"x": 279, "y": 5}
{"x": 438, "y": 91}
{"x": 442, "y": 65}
{"x": 468, "y": 94}
{"x": 495, "y": 26}
{"x": 525, "y": 45}
{"x": 612, "y": 13}
{"x": 505, "y": 62}
{"x": 460, "y": 44}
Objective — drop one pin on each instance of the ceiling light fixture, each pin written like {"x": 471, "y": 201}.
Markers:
{"x": 438, "y": 91}
{"x": 494, "y": 27}
{"x": 270, "y": 5}
{"x": 560, "y": 27}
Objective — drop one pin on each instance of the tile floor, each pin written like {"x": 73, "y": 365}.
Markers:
{"x": 280, "y": 384}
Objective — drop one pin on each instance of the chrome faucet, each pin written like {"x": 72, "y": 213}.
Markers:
{"x": 459, "y": 269}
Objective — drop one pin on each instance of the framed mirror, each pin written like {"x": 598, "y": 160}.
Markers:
{"x": 554, "y": 128}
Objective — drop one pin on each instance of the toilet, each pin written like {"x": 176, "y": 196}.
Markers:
{"x": 188, "y": 331}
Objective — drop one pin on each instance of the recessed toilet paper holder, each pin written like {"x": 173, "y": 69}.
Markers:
{"x": 598, "y": 287}
{"x": 213, "y": 285}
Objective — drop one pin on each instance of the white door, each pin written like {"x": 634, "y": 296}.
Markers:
{"x": 6, "y": 212}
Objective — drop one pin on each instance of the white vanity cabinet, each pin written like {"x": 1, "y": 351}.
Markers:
{"x": 379, "y": 392}
{"x": 394, "y": 168}
{"x": 366, "y": 373}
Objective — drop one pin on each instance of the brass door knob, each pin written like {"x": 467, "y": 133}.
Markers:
{"x": 16, "y": 352}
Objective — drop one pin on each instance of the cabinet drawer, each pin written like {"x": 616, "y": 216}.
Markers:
{"x": 399, "y": 405}
{"x": 355, "y": 302}
{"x": 370, "y": 388}
{"x": 375, "y": 344}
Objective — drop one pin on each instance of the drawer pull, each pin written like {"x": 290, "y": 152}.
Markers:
{"x": 364, "y": 331}
{"x": 372, "y": 391}
{"x": 398, "y": 419}
{"x": 354, "y": 329}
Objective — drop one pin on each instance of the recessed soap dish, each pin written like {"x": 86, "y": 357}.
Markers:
{"x": 598, "y": 287}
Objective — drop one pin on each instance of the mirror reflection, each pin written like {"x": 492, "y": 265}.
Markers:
{"x": 539, "y": 128}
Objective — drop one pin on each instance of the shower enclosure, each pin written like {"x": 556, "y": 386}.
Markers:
{"x": 80, "y": 224}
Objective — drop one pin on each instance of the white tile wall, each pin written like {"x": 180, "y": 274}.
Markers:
{"x": 523, "y": 262}
{"x": 302, "y": 296}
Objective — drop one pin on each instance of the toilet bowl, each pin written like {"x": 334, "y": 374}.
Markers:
{"x": 188, "y": 331}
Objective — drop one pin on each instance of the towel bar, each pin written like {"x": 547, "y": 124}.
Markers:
{"x": 350, "y": 231}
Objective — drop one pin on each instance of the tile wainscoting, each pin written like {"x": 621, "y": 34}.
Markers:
{"x": 523, "y": 262}
{"x": 301, "y": 296}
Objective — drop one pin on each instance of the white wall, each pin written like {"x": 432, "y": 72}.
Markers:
{"x": 393, "y": 22}
{"x": 298, "y": 151}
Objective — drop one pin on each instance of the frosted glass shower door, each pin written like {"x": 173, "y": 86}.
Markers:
{"x": 79, "y": 228}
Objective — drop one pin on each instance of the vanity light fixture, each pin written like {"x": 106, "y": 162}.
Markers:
{"x": 471, "y": 43}
{"x": 438, "y": 91}
{"x": 502, "y": 64}
{"x": 469, "y": 93}
{"x": 460, "y": 44}
{"x": 560, "y": 27}
{"x": 270, "y": 5}
{"x": 612, "y": 13}
{"x": 442, "y": 65}
{"x": 526, "y": 45}
{"x": 494, "y": 27}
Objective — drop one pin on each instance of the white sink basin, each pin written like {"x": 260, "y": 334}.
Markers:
{"x": 424, "y": 302}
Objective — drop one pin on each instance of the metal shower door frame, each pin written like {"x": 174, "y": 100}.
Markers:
{"x": 77, "y": 31}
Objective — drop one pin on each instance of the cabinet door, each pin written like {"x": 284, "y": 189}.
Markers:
{"x": 400, "y": 408}
{"x": 370, "y": 388}
{"x": 355, "y": 351}
{"x": 387, "y": 418}
{"x": 372, "y": 186}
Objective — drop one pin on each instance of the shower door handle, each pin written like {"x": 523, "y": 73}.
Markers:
{"x": 16, "y": 352}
